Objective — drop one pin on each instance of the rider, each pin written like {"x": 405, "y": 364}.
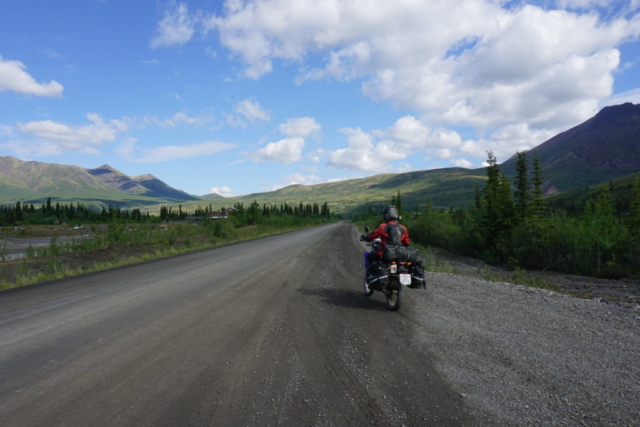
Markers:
{"x": 390, "y": 233}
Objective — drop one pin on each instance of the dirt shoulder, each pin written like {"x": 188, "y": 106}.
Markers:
{"x": 625, "y": 291}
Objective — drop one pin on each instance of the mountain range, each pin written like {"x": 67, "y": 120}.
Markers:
{"x": 34, "y": 182}
{"x": 603, "y": 148}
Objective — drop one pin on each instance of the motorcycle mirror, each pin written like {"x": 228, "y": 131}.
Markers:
{"x": 367, "y": 229}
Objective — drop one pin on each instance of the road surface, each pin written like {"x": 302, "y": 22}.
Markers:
{"x": 274, "y": 331}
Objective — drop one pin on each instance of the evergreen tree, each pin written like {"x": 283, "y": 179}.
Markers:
{"x": 601, "y": 223}
{"x": 634, "y": 210}
{"x": 491, "y": 198}
{"x": 522, "y": 196}
{"x": 505, "y": 206}
{"x": 18, "y": 211}
{"x": 538, "y": 205}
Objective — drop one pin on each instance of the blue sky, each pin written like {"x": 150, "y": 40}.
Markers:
{"x": 247, "y": 96}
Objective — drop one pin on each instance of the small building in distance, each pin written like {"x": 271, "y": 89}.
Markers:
{"x": 221, "y": 214}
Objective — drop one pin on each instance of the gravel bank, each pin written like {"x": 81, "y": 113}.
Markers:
{"x": 526, "y": 356}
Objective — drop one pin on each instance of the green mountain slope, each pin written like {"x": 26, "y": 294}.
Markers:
{"x": 445, "y": 187}
{"x": 34, "y": 182}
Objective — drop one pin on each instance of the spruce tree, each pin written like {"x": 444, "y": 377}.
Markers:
{"x": 538, "y": 205}
{"x": 634, "y": 210}
{"x": 490, "y": 198}
{"x": 522, "y": 196}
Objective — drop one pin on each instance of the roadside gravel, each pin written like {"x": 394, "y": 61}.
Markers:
{"x": 526, "y": 356}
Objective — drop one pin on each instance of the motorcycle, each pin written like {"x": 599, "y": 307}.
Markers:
{"x": 392, "y": 276}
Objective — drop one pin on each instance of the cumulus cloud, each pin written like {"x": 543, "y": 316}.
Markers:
{"x": 506, "y": 142}
{"x": 302, "y": 127}
{"x": 223, "y": 191}
{"x": 495, "y": 68}
{"x": 14, "y": 77}
{"x": 176, "y": 27}
{"x": 75, "y": 138}
{"x": 360, "y": 155}
{"x": 287, "y": 151}
{"x": 376, "y": 150}
{"x": 482, "y": 64}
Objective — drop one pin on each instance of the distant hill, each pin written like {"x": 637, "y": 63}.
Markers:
{"x": 34, "y": 182}
{"x": 444, "y": 187}
{"x": 605, "y": 147}
{"x": 212, "y": 196}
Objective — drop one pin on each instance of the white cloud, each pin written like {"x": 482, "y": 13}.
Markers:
{"x": 175, "y": 28}
{"x": 75, "y": 138}
{"x": 468, "y": 63}
{"x": 252, "y": 111}
{"x": 287, "y": 151}
{"x": 296, "y": 178}
{"x": 182, "y": 118}
{"x": 223, "y": 191}
{"x": 173, "y": 152}
{"x": 360, "y": 155}
{"x": 14, "y": 77}
{"x": 507, "y": 141}
{"x": 462, "y": 163}
{"x": 302, "y": 127}
{"x": 374, "y": 151}
{"x": 341, "y": 179}
{"x": 150, "y": 62}
{"x": 47, "y": 137}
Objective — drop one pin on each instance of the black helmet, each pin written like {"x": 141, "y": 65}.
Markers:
{"x": 390, "y": 212}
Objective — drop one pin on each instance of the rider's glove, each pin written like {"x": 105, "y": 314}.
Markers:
{"x": 362, "y": 238}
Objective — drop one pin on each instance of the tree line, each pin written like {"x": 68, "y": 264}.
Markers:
{"x": 49, "y": 213}
{"x": 510, "y": 223}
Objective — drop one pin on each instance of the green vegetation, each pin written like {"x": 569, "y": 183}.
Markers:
{"x": 445, "y": 187}
{"x": 621, "y": 191}
{"x": 521, "y": 231}
{"x": 122, "y": 242}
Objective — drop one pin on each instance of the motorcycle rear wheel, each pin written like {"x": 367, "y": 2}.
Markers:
{"x": 393, "y": 291}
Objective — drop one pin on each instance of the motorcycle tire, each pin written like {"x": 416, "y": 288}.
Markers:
{"x": 394, "y": 291}
{"x": 368, "y": 290}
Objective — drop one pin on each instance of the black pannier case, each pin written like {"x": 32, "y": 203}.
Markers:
{"x": 399, "y": 253}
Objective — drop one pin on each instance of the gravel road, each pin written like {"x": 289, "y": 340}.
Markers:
{"x": 277, "y": 332}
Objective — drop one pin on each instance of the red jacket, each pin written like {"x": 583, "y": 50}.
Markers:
{"x": 381, "y": 232}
